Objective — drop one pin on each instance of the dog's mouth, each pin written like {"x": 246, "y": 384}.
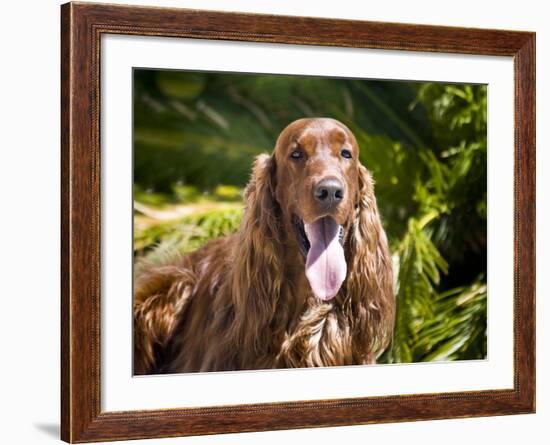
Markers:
{"x": 321, "y": 242}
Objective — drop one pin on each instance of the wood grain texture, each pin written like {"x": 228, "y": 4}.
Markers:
{"x": 65, "y": 228}
{"x": 82, "y": 26}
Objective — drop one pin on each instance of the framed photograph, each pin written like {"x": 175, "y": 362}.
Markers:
{"x": 274, "y": 222}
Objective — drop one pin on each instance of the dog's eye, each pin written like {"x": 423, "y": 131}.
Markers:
{"x": 346, "y": 154}
{"x": 297, "y": 154}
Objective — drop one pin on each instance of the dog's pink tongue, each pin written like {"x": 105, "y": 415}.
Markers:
{"x": 325, "y": 262}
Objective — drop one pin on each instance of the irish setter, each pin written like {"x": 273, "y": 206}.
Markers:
{"x": 305, "y": 281}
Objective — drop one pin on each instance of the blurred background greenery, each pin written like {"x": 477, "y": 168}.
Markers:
{"x": 195, "y": 137}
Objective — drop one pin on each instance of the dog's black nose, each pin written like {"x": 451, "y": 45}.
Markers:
{"x": 329, "y": 192}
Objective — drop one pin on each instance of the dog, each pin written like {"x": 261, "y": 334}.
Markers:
{"x": 306, "y": 281}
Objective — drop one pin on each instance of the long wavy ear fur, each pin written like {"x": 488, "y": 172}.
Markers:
{"x": 370, "y": 279}
{"x": 257, "y": 271}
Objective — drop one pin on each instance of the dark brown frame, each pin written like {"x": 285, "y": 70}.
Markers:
{"x": 81, "y": 28}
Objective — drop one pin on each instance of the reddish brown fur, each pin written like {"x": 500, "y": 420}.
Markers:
{"x": 243, "y": 301}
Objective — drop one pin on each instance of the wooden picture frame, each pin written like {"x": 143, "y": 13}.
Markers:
{"x": 82, "y": 25}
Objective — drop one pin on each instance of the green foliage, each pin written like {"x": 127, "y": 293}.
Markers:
{"x": 436, "y": 321}
{"x": 190, "y": 232}
{"x": 458, "y": 329}
{"x": 196, "y": 135}
{"x": 419, "y": 264}
{"x": 205, "y": 129}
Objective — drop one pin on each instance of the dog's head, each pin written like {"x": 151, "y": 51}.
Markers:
{"x": 317, "y": 185}
{"x": 324, "y": 197}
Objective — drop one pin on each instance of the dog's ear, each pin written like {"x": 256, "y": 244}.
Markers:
{"x": 370, "y": 278}
{"x": 261, "y": 211}
{"x": 256, "y": 269}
